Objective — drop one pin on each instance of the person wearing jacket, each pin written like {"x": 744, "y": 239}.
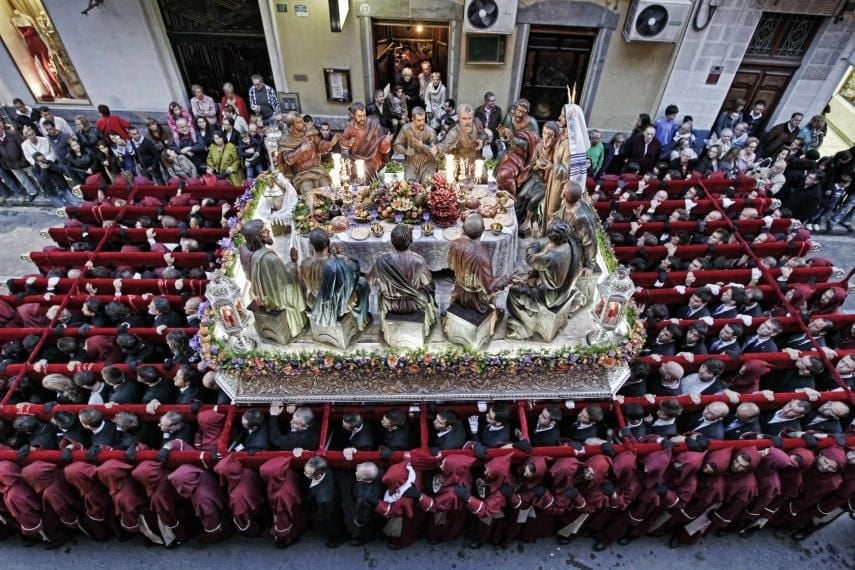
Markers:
{"x": 223, "y": 161}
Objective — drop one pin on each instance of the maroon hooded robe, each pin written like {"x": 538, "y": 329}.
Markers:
{"x": 290, "y": 516}
{"x": 569, "y": 504}
{"x": 24, "y": 505}
{"x": 164, "y": 501}
{"x": 405, "y": 521}
{"x": 680, "y": 481}
{"x": 490, "y": 508}
{"x": 448, "y": 511}
{"x": 211, "y": 425}
{"x": 768, "y": 485}
{"x": 740, "y": 489}
{"x": 201, "y": 488}
{"x": 98, "y": 507}
{"x": 60, "y": 500}
{"x": 609, "y": 524}
{"x": 129, "y": 500}
{"x": 536, "y": 501}
{"x": 250, "y": 512}
{"x": 817, "y": 486}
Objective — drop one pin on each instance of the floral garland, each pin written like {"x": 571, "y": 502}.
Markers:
{"x": 215, "y": 354}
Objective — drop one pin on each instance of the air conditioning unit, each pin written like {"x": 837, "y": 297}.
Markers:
{"x": 489, "y": 16}
{"x": 656, "y": 20}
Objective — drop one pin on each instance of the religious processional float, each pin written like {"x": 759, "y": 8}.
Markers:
{"x": 580, "y": 351}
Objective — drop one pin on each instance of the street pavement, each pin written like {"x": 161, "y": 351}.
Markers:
{"x": 830, "y": 547}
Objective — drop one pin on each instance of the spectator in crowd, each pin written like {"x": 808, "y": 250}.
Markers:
{"x": 108, "y": 123}
{"x": 47, "y": 115}
{"x": 51, "y": 177}
{"x": 13, "y": 159}
{"x": 145, "y": 155}
{"x": 755, "y": 118}
{"x": 490, "y": 116}
{"x": 730, "y": 117}
{"x": 596, "y": 152}
{"x": 177, "y": 166}
{"x": 24, "y": 114}
{"x": 781, "y": 136}
{"x": 174, "y": 113}
{"x": 434, "y": 97}
{"x": 644, "y": 150}
{"x": 263, "y": 100}
{"x": 615, "y": 154}
{"x": 236, "y": 102}
{"x": 202, "y": 105}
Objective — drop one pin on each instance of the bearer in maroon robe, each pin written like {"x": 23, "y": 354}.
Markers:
{"x": 768, "y": 485}
{"x": 59, "y": 499}
{"x": 405, "y": 520}
{"x": 654, "y": 497}
{"x": 290, "y": 515}
{"x": 210, "y": 506}
{"x": 708, "y": 496}
{"x": 495, "y": 498}
{"x": 448, "y": 513}
{"x": 169, "y": 508}
{"x": 24, "y": 505}
{"x": 820, "y": 482}
{"x": 98, "y": 507}
{"x": 740, "y": 488}
{"x": 129, "y": 500}
{"x": 211, "y": 425}
{"x": 612, "y": 524}
{"x": 598, "y": 489}
{"x": 532, "y": 519}
{"x": 569, "y": 504}
{"x": 792, "y": 479}
{"x": 250, "y": 512}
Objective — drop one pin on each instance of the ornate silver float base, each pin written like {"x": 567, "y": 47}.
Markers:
{"x": 574, "y": 384}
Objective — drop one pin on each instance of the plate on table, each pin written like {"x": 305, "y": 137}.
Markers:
{"x": 488, "y": 201}
{"x": 506, "y": 219}
{"x": 451, "y": 234}
{"x": 479, "y": 192}
{"x": 388, "y": 226}
{"x": 360, "y": 233}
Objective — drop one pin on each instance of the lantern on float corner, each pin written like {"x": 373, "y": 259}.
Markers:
{"x": 614, "y": 293}
{"x": 225, "y": 298}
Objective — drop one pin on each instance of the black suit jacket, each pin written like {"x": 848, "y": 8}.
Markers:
{"x": 306, "y": 439}
{"x": 683, "y": 313}
{"x": 44, "y": 437}
{"x": 767, "y": 345}
{"x": 325, "y": 502}
{"x": 726, "y": 312}
{"x": 455, "y": 439}
{"x": 258, "y": 440}
{"x": 172, "y": 320}
{"x": 188, "y": 395}
{"x": 732, "y": 349}
{"x": 107, "y": 435}
{"x": 814, "y": 422}
{"x": 579, "y": 433}
{"x": 363, "y": 440}
{"x": 399, "y": 439}
{"x": 777, "y": 427}
{"x": 494, "y": 438}
{"x": 734, "y": 428}
{"x": 799, "y": 341}
{"x": 164, "y": 392}
{"x": 635, "y": 152}
{"x": 128, "y": 392}
{"x": 613, "y": 161}
{"x": 495, "y": 118}
{"x": 663, "y": 430}
{"x": 546, "y": 438}
{"x": 714, "y": 430}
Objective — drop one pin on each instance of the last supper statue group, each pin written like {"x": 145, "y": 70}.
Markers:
{"x": 329, "y": 293}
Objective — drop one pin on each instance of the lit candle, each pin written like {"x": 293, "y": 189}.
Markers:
{"x": 360, "y": 170}
{"x": 479, "y": 170}
{"x": 335, "y": 177}
{"x": 336, "y": 161}
{"x": 449, "y": 167}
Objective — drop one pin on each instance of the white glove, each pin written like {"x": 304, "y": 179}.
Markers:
{"x": 569, "y": 404}
{"x": 714, "y": 289}
{"x": 767, "y": 221}
{"x": 707, "y": 320}
{"x": 681, "y": 289}
{"x": 482, "y": 406}
{"x": 689, "y": 204}
{"x": 746, "y": 320}
{"x": 473, "y": 424}
{"x": 726, "y": 202}
{"x": 756, "y": 274}
{"x": 52, "y": 283}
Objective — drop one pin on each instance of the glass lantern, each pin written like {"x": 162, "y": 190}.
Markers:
{"x": 615, "y": 291}
{"x": 225, "y": 298}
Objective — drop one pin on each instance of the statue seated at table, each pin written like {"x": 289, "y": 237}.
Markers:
{"x": 336, "y": 293}
{"x": 277, "y": 298}
{"x": 406, "y": 288}
{"x": 543, "y": 303}
{"x": 514, "y": 168}
{"x": 299, "y": 154}
{"x": 472, "y": 316}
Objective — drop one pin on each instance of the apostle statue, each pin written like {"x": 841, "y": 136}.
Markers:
{"x": 274, "y": 286}
{"x": 515, "y": 166}
{"x": 415, "y": 141}
{"x": 582, "y": 219}
{"x": 568, "y": 157}
{"x": 466, "y": 139}
{"x": 406, "y": 285}
{"x": 555, "y": 265}
{"x": 363, "y": 138}
{"x": 474, "y": 286}
{"x": 518, "y": 120}
{"x": 333, "y": 284}
{"x": 529, "y": 202}
{"x": 299, "y": 154}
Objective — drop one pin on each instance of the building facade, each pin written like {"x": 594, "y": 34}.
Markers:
{"x": 138, "y": 55}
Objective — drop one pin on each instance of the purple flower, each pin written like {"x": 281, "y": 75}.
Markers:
{"x": 225, "y": 243}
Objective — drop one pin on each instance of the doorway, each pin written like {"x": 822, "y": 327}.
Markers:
{"x": 775, "y": 52}
{"x": 556, "y": 58}
{"x": 214, "y": 44}
{"x": 400, "y": 44}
